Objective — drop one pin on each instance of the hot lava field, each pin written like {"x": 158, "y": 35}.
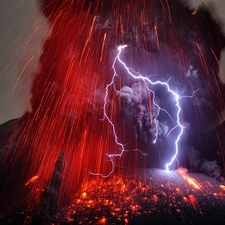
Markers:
{"x": 144, "y": 196}
{"x": 151, "y": 196}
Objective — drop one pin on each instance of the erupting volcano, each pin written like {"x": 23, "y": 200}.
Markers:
{"x": 127, "y": 93}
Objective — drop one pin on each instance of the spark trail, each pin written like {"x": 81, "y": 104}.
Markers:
{"x": 146, "y": 81}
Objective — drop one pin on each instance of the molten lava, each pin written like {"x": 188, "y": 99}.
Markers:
{"x": 189, "y": 179}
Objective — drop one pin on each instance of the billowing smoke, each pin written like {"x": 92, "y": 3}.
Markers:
{"x": 201, "y": 165}
{"x": 183, "y": 45}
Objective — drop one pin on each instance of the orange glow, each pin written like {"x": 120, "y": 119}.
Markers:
{"x": 223, "y": 187}
{"x": 135, "y": 207}
{"x": 84, "y": 194}
{"x": 185, "y": 199}
{"x": 102, "y": 221}
{"x": 191, "y": 181}
{"x": 31, "y": 180}
{"x": 154, "y": 198}
{"x": 106, "y": 193}
{"x": 193, "y": 201}
{"x": 178, "y": 191}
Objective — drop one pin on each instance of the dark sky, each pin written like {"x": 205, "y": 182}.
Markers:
{"x": 22, "y": 31}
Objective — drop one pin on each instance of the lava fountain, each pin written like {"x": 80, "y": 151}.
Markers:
{"x": 64, "y": 135}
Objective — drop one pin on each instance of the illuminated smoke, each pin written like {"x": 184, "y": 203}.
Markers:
{"x": 148, "y": 83}
{"x": 201, "y": 165}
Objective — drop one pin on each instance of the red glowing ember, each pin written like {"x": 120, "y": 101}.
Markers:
{"x": 31, "y": 180}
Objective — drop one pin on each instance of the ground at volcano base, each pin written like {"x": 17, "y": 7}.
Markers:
{"x": 146, "y": 196}
{"x": 151, "y": 196}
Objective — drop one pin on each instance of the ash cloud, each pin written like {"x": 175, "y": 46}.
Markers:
{"x": 200, "y": 165}
{"x": 191, "y": 62}
{"x": 186, "y": 48}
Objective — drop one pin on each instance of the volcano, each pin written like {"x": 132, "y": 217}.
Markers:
{"x": 94, "y": 147}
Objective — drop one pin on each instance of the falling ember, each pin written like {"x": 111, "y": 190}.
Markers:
{"x": 209, "y": 183}
{"x": 191, "y": 181}
{"x": 103, "y": 44}
{"x": 178, "y": 191}
{"x": 154, "y": 198}
{"x": 102, "y": 221}
{"x": 84, "y": 194}
{"x": 193, "y": 201}
{"x": 31, "y": 180}
{"x": 223, "y": 187}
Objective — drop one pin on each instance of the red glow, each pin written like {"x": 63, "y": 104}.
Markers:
{"x": 66, "y": 105}
{"x": 193, "y": 201}
{"x": 102, "y": 221}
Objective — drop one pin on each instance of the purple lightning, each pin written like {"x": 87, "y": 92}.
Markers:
{"x": 137, "y": 75}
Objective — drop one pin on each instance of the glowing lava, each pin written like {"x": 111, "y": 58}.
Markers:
{"x": 191, "y": 181}
{"x": 128, "y": 198}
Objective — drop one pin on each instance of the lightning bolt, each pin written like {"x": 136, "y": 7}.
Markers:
{"x": 146, "y": 81}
